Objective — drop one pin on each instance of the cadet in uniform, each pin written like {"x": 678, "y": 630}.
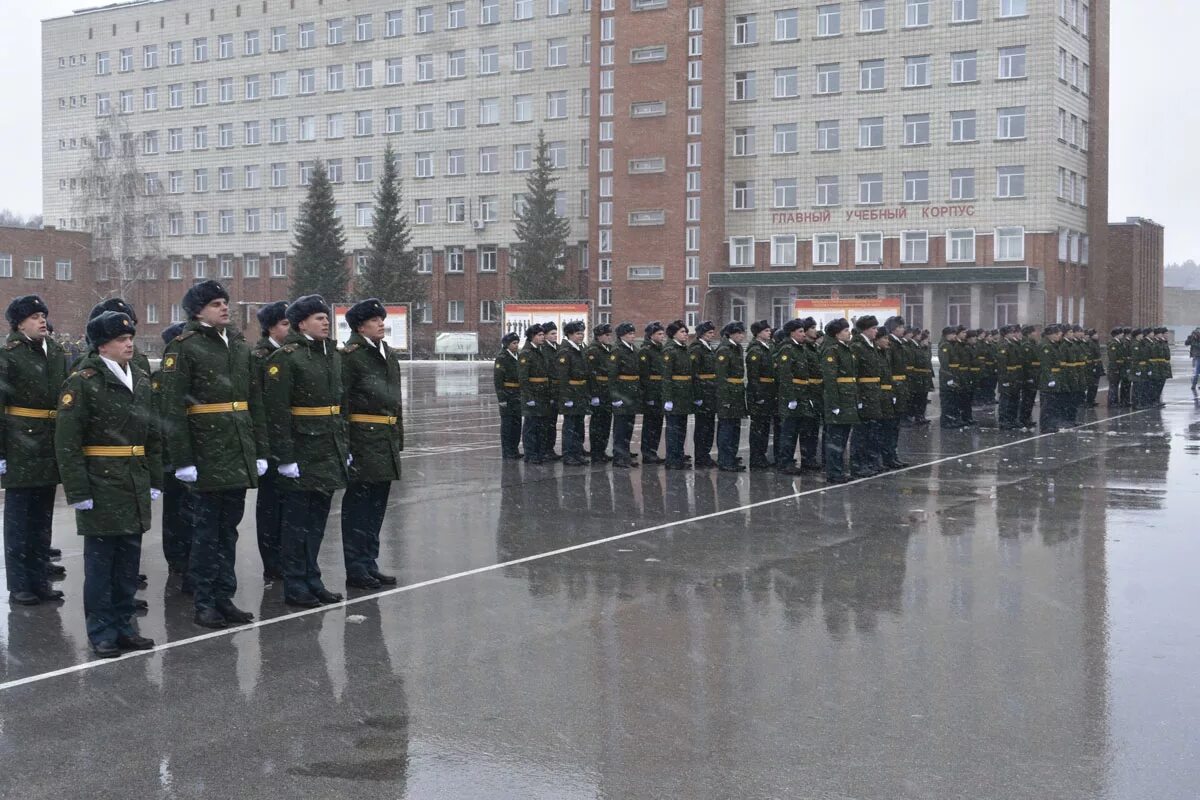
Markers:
{"x": 32, "y": 369}
{"x": 794, "y": 402}
{"x": 572, "y": 387}
{"x": 549, "y": 348}
{"x": 304, "y": 395}
{"x": 839, "y": 368}
{"x": 810, "y": 424}
{"x": 537, "y": 393}
{"x": 1095, "y": 369}
{"x": 649, "y": 368}
{"x": 865, "y": 457}
{"x": 1160, "y": 363}
{"x": 950, "y": 377}
{"x": 888, "y": 424}
{"x": 676, "y": 371}
{"x": 1118, "y": 367}
{"x": 268, "y": 512}
{"x": 600, "y": 425}
{"x": 507, "y": 379}
{"x": 896, "y": 375}
{"x": 922, "y": 377}
{"x": 704, "y": 397}
{"x": 625, "y": 389}
{"x": 374, "y": 409}
{"x": 176, "y": 513}
{"x": 1031, "y": 353}
{"x": 218, "y": 443}
{"x": 1010, "y": 367}
{"x": 761, "y": 395}
{"x": 1053, "y": 385}
{"x": 121, "y": 307}
{"x": 731, "y": 396}
{"x": 107, "y": 448}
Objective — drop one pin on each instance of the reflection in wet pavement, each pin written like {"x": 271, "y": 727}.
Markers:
{"x": 1004, "y": 623}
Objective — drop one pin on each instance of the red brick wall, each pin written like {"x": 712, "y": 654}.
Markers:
{"x": 69, "y": 301}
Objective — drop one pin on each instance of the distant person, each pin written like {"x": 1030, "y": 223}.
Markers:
{"x": 1193, "y": 344}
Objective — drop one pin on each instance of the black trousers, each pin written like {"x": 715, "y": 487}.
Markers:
{"x": 1028, "y": 400}
{"x": 510, "y": 435}
{"x": 28, "y": 513}
{"x": 1126, "y": 391}
{"x": 864, "y": 448}
{"x": 652, "y": 425}
{"x": 1115, "y": 387}
{"x": 572, "y": 436}
{"x": 110, "y": 581}
{"x": 810, "y": 442}
{"x": 1143, "y": 394}
{"x": 177, "y": 522}
{"x": 676, "y": 438}
{"x": 211, "y": 569}
{"x": 703, "y": 435}
{"x": 599, "y": 429}
{"x": 951, "y": 407}
{"x": 549, "y": 434}
{"x": 622, "y": 434}
{"x": 836, "y": 438}
{"x": 268, "y": 519}
{"x": 304, "y": 518}
{"x": 966, "y": 411}
{"x": 1008, "y": 415}
{"x": 889, "y": 440}
{"x": 760, "y": 439}
{"x": 729, "y": 437}
{"x": 1050, "y": 414}
{"x": 531, "y": 434}
{"x": 785, "y": 443}
{"x": 363, "y": 508}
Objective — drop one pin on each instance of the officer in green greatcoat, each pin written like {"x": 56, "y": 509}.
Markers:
{"x": 677, "y": 392}
{"x": 107, "y": 446}
{"x": 1031, "y": 342}
{"x": 1053, "y": 383}
{"x": 793, "y": 401}
{"x": 121, "y": 307}
{"x": 865, "y": 453}
{"x": 176, "y": 515}
{"x": 704, "y": 393}
{"x": 549, "y": 348}
{"x": 304, "y": 396}
{"x": 625, "y": 391}
{"x": 506, "y": 378}
{"x": 371, "y": 376}
{"x": 1010, "y": 371}
{"x": 761, "y": 395}
{"x": 731, "y": 396}
{"x": 573, "y": 388}
{"x": 600, "y": 425}
{"x": 649, "y": 364}
{"x": 810, "y": 424}
{"x": 888, "y": 424}
{"x": 1118, "y": 367}
{"x": 32, "y": 369}
{"x": 268, "y": 512}
{"x": 839, "y": 377}
{"x": 536, "y": 376}
{"x": 217, "y": 443}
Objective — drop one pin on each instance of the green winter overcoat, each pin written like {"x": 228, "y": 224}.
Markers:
{"x": 373, "y": 409}
{"x": 30, "y": 379}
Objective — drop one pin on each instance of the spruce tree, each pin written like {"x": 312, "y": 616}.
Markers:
{"x": 320, "y": 260}
{"x": 541, "y": 235}
{"x": 391, "y": 271}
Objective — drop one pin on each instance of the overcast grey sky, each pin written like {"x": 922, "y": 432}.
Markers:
{"x": 1155, "y": 112}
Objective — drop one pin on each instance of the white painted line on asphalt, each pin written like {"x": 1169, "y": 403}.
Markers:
{"x": 262, "y": 623}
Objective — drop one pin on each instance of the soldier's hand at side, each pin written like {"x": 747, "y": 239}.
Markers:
{"x": 595, "y": 401}
{"x": 260, "y": 464}
{"x": 290, "y": 470}
{"x": 568, "y": 404}
{"x": 950, "y": 382}
{"x": 836, "y": 411}
{"x": 698, "y": 403}
{"x": 503, "y": 403}
{"x": 792, "y": 405}
{"x": 650, "y": 402}
{"x": 618, "y": 403}
{"x": 84, "y": 505}
{"x": 155, "y": 494}
{"x": 531, "y": 403}
{"x": 187, "y": 474}
{"x": 3, "y": 465}
{"x": 668, "y": 406}
{"x": 349, "y": 459}
{"x": 1051, "y": 384}
{"x": 860, "y": 405}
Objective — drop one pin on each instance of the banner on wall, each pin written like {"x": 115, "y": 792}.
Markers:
{"x": 395, "y": 326}
{"x": 851, "y": 308}
{"x": 519, "y": 316}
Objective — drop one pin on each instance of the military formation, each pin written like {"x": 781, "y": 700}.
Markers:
{"x": 293, "y": 416}
{"x": 828, "y": 400}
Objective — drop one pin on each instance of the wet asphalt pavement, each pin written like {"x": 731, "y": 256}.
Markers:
{"x": 1014, "y": 617}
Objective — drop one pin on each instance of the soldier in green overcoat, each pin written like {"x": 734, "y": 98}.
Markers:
{"x": 793, "y": 401}
{"x": 649, "y": 364}
{"x": 625, "y": 391}
{"x": 121, "y": 307}
{"x": 374, "y": 409}
{"x": 1117, "y": 367}
{"x": 217, "y": 443}
{"x": 896, "y": 374}
{"x": 703, "y": 353}
{"x": 677, "y": 393}
{"x": 865, "y": 454}
{"x": 304, "y": 396}
{"x": 549, "y": 348}
{"x": 839, "y": 377}
{"x": 1053, "y": 382}
{"x": 268, "y": 512}
{"x": 107, "y": 446}
{"x": 536, "y": 376}
{"x": 600, "y": 425}
{"x": 810, "y": 424}
{"x": 731, "y": 396}
{"x": 1010, "y": 370}
{"x": 1031, "y": 342}
{"x": 573, "y": 388}
{"x": 176, "y": 514}
{"x": 32, "y": 369}
{"x": 506, "y": 378}
{"x": 762, "y": 395}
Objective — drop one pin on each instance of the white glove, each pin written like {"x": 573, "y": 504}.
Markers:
{"x": 836, "y": 411}
{"x": 290, "y": 470}
{"x": 186, "y": 474}
{"x": 792, "y": 405}
{"x": 260, "y": 464}
{"x": 155, "y": 494}
{"x": 1051, "y": 384}
{"x": 650, "y": 402}
{"x": 950, "y": 382}
{"x": 860, "y": 405}
{"x": 531, "y": 403}
{"x": 759, "y": 402}
{"x": 349, "y": 459}
{"x": 1006, "y": 385}
{"x": 618, "y": 403}
{"x": 698, "y": 403}
{"x": 83, "y": 505}
{"x": 3, "y": 465}
{"x": 668, "y": 406}
{"x": 595, "y": 401}
{"x": 503, "y": 403}
{"x": 569, "y": 404}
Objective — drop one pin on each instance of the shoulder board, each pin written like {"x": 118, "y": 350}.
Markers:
{"x": 262, "y": 352}
{"x": 185, "y": 335}
{"x": 87, "y": 372}
{"x": 12, "y": 345}
{"x": 350, "y": 348}
{"x": 289, "y": 348}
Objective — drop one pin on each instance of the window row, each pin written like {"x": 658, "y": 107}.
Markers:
{"x": 916, "y": 188}
{"x": 1073, "y": 130}
{"x": 1072, "y": 187}
{"x": 35, "y": 267}
{"x": 868, "y": 247}
{"x": 872, "y": 74}
{"x": 872, "y": 17}
{"x": 252, "y": 265}
{"x": 1074, "y": 72}
{"x": 338, "y": 30}
{"x": 1011, "y": 123}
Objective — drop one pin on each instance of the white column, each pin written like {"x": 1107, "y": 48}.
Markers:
{"x": 932, "y": 322}
{"x": 976, "y": 305}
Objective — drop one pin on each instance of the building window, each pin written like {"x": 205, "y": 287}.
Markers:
{"x": 787, "y": 82}
{"x": 744, "y": 86}
{"x": 914, "y": 247}
{"x": 783, "y": 250}
{"x": 745, "y": 29}
{"x": 424, "y": 212}
{"x": 1010, "y": 123}
{"x": 869, "y": 248}
{"x": 916, "y": 13}
{"x": 62, "y": 267}
{"x": 1006, "y": 309}
{"x": 829, "y": 20}
{"x": 785, "y": 193}
{"x": 964, "y": 10}
{"x": 1012, "y": 62}
{"x": 456, "y": 311}
{"x": 487, "y": 259}
{"x": 362, "y": 215}
{"x": 741, "y": 251}
{"x": 829, "y": 78}
{"x": 826, "y": 249}
{"x": 916, "y": 186}
{"x": 828, "y": 191}
{"x": 870, "y": 188}
{"x": 786, "y": 137}
{"x": 743, "y": 195}
{"x": 454, "y": 259}
{"x": 1010, "y": 244}
{"x": 962, "y": 184}
{"x": 604, "y": 297}
{"x": 916, "y": 129}
{"x": 743, "y": 141}
{"x": 961, "y": 245}
{"x": 917, "y": 71}
{"x": 787, "y": 25}
{"x": 871, "y": 75}
{"x": 958, "y": 309}
{"x": 1010, "y": 181}
{"x": 964, "y": 67}
{"x": 871, "y": 15}
{"x": 962, "y": 126}
{"x": 870, "y": 132}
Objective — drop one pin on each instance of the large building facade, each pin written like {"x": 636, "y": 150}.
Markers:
{"x": 1136, "y": 263}
{"x": 716, "y": 159}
